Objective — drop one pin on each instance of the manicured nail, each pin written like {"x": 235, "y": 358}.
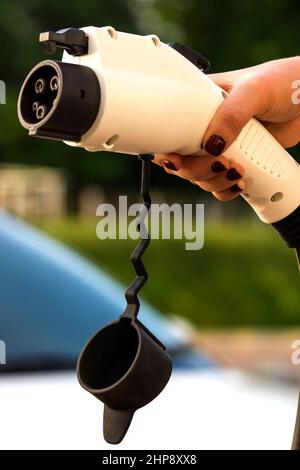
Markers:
{"x": 235, "y": 188}
{"x": 169, "y": 165}
{"x": 232, "y": 174}
{"x": 217, "y": 167}
{"x": 215, "y": 145}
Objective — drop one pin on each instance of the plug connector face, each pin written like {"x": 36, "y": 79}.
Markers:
{"x": 59, "y": 100}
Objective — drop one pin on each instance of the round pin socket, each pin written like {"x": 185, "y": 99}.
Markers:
{"x": 35, "y": 106}
{"x": 59, "y": 100}
{"x": 40, "y": 86}
{"x": 54, "y": 83}
{"x": 41, "y": 112}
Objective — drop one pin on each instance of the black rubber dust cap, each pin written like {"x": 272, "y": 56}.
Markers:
{"x": 125, "y": 367}
{"x": 116, "y": 424}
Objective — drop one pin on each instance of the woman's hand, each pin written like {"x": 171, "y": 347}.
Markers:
{"x": 265, "y": 92}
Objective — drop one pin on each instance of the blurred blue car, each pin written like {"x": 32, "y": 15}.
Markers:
{"x": 53, "y": 300}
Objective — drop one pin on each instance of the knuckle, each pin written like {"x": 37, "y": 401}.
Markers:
{"x": 217, "y": 184}
{"x": 199, "y": 169}
{"x": 233, "y": 118}
{"x": 194, "y": 174}
{"x": 220, "y": 196}
{"x": 255, "y": 83}
{"x": 202, "y": 186}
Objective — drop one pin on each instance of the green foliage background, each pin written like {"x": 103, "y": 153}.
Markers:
{"x": 243, "y": 276}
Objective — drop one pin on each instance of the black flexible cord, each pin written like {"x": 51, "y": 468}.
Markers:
{"x": 131, "y": 294}
{"x": 296, "y": 438}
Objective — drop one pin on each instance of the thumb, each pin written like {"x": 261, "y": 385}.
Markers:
{"x": 245, "y": 100}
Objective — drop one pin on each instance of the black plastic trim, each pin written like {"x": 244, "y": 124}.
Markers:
{"x": 196, "y": 58}
{"x": 73, "y": 40}
{"x": 289, "y": 228}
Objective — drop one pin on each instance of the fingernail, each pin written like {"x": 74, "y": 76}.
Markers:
{"x": 235, "y": 188}
{"x": 232, "y": 174}
{"x": 217, "y": 167}
{"x": 215, "y": 145}
{"x": 169, "y": 165}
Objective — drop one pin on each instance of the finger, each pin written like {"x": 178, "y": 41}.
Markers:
{"x": 223, "y": 80}
{"x": 194, "y": 168}
{"x": 170, "y": 157}
{"x": 226, "y": 80}
{"x": 224, "y": 181}
{"x": 198, "y": 168}
{"x": 202, "y": 171}
{"x": 245, "y": 100}
{"x": 230, "y": 193}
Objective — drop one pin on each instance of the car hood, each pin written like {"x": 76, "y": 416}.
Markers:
{"x": 209, "y": 409}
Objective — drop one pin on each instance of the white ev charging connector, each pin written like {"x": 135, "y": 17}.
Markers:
{"x": 132, "y": 94}
{"x": 136, "y": 95}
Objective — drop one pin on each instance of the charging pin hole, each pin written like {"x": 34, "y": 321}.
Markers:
{"x": 35, "y": 106}
{"x": 54, "y": 83}
{"x": 41, "y": 112}
{"x": 40, "y": 86}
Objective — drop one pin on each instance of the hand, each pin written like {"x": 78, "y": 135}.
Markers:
{"x": 265, "y": 92}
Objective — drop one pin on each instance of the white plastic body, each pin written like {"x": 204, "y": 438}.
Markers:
{"x": 153, "y": 100}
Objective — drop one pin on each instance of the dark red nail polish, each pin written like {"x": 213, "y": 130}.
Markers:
{"x": 235, "y": 188}
{"x": 232, "y": 174}
{"x": 169, "y": 165}
{"x": 217, "y": 167}
{"x": 215, "y": 145}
